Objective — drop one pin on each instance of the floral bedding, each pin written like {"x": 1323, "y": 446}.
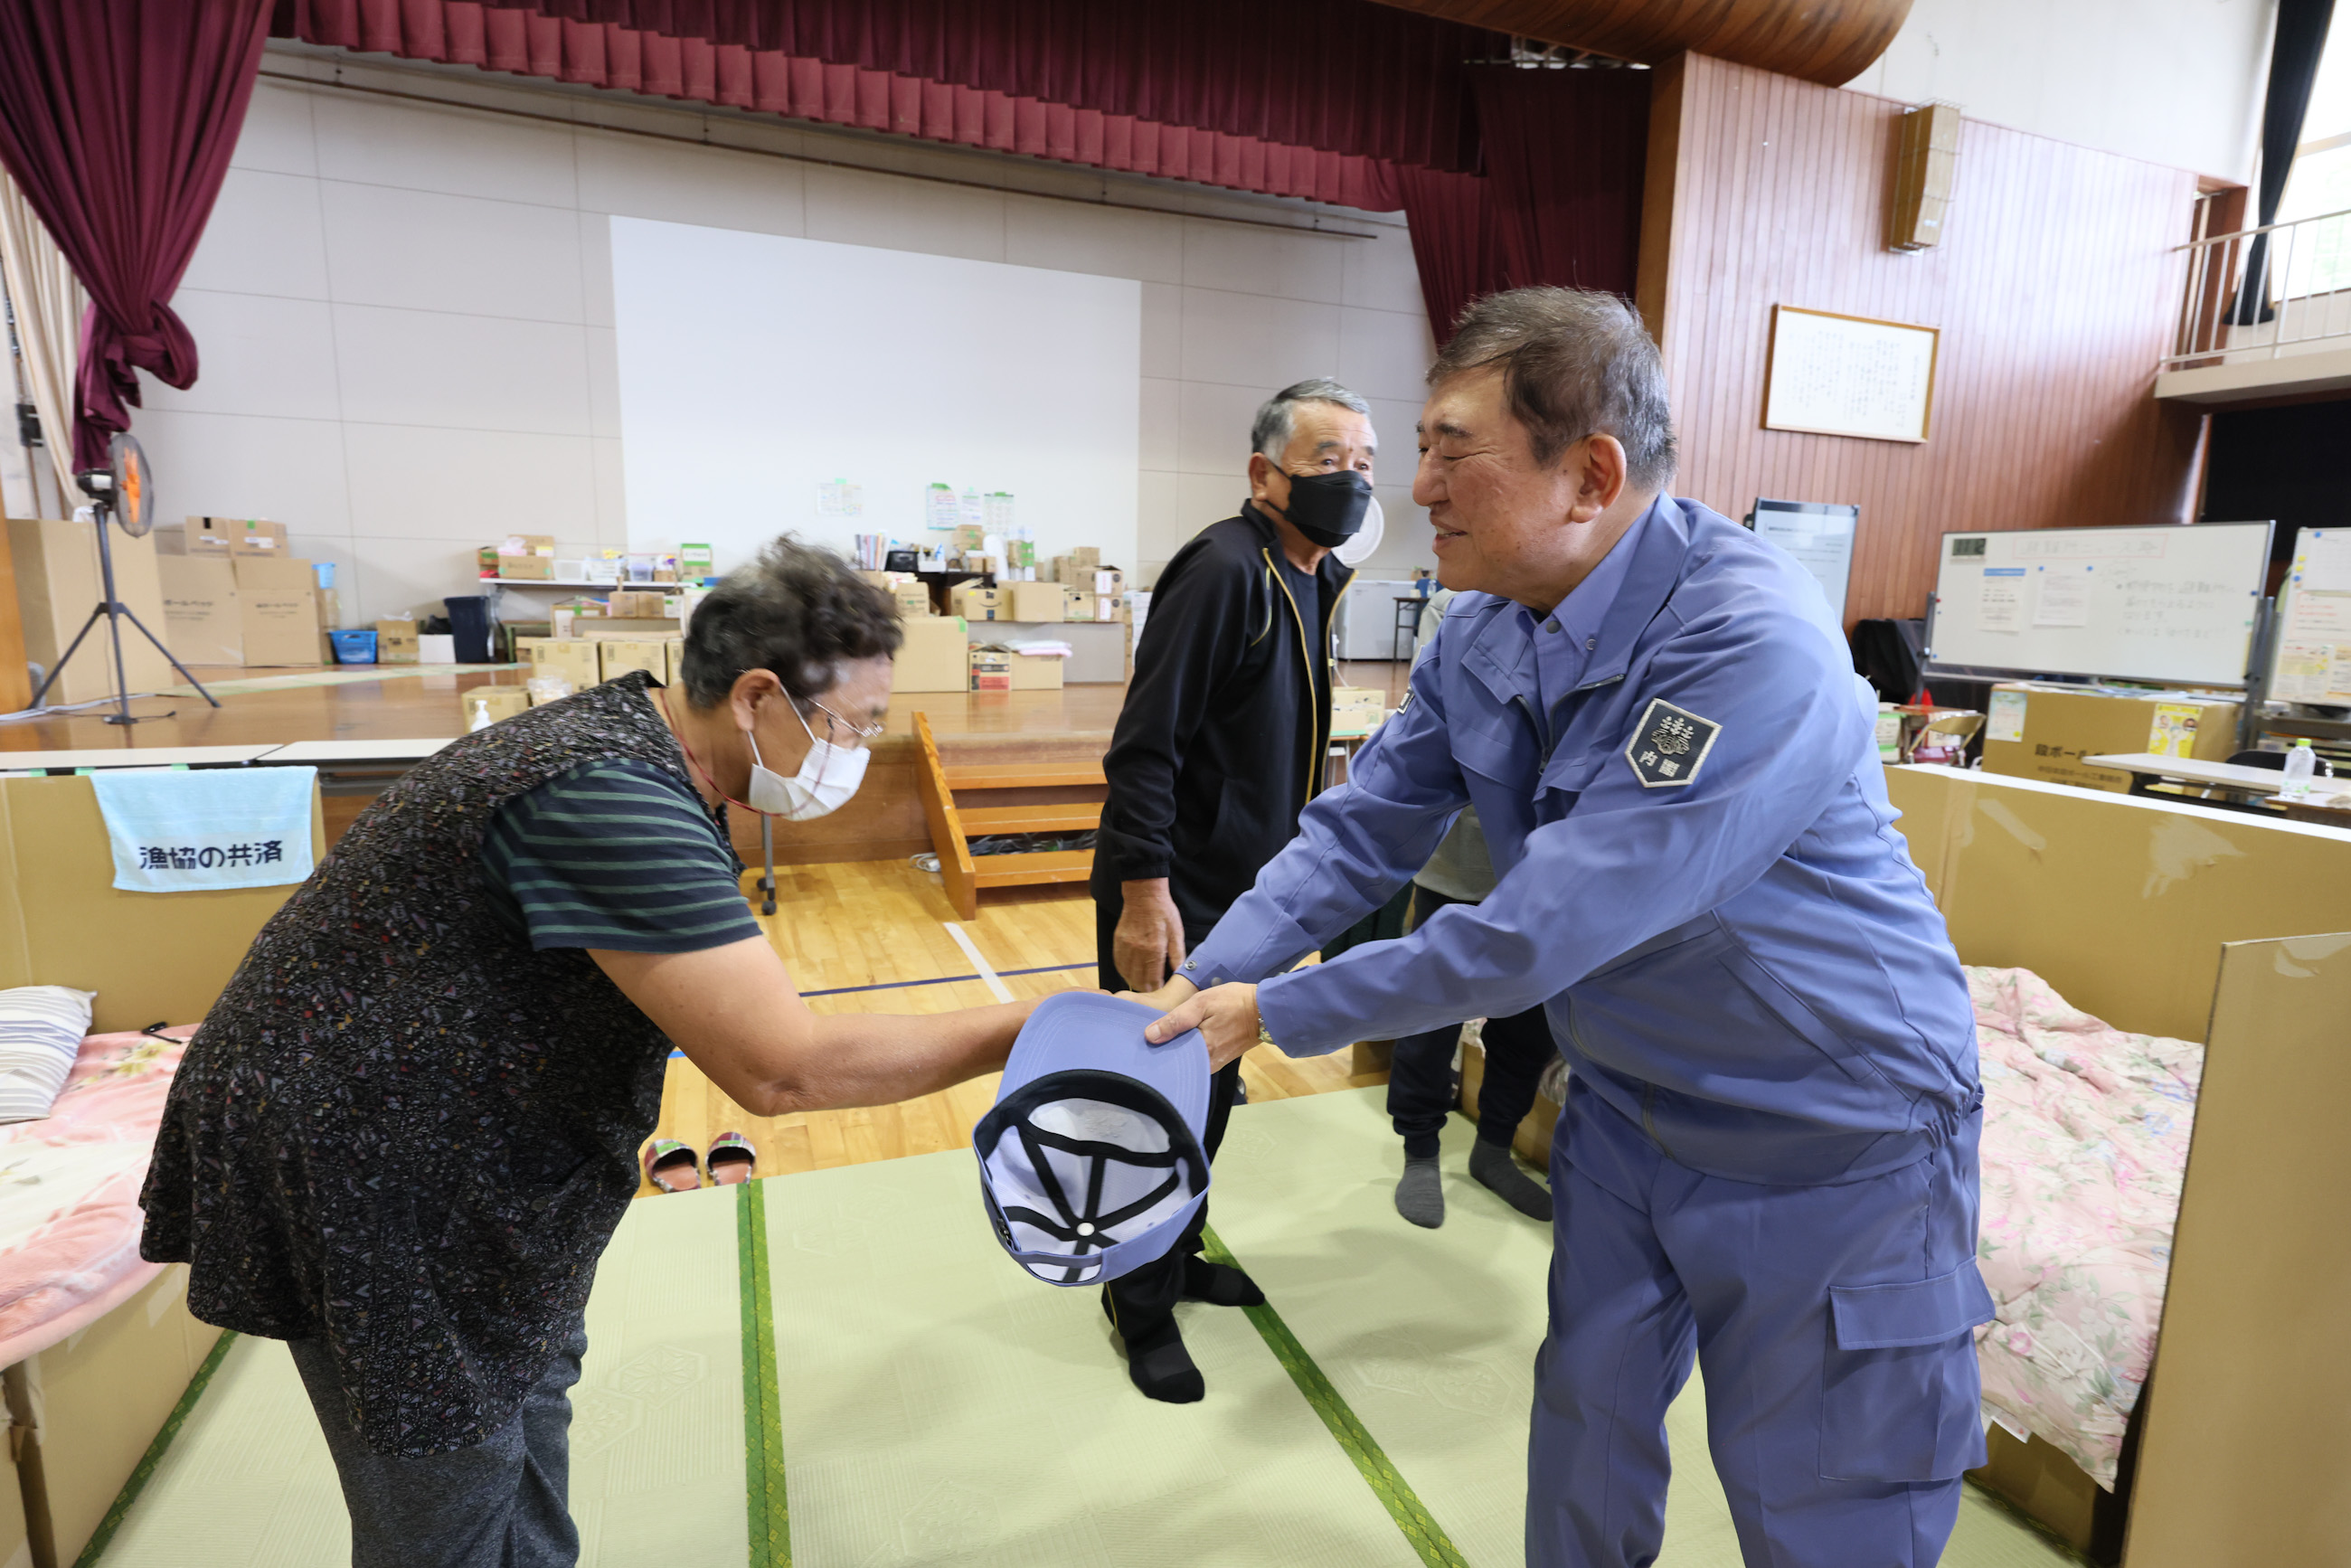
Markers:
{"x": 2084, "y": 1143}
{"x": 69, "y": 1216}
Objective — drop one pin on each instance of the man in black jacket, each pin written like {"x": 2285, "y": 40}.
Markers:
{"x": 1218, "y": 749}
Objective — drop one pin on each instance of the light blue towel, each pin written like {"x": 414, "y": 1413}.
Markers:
{"x": 225, "y": 827}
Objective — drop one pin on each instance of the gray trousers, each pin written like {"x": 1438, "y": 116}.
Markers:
{"x": 502, "y": 1503}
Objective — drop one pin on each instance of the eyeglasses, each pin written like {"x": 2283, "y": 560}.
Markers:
{"x": 865, "y": 732}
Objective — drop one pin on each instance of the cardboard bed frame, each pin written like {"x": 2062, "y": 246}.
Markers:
{"x": 2171, "y": 919}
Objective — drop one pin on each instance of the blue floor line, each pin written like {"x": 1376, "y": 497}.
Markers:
{"x": 945, "y": 981}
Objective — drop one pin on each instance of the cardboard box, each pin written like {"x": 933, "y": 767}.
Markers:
{"x": 238, "y": 536}
{"x": 616, "y": 656}
{"x": 1086, "y": 556}
{"x": 695, "y": 562}
{"x": 58, "y": 584}
{"x": 973, "y": 603}
{"x": 1109, "y": 582}
{"x": 672, "y": 659}
{"x": 498, "y": 701}
{"x": 2037, "y": 731}
{"x": 1077, "y": 604}
{"x": 1110, "y": 609}
{"x": 277, "y": 625}
{"x": 934, "y": 656}
{"x": 970, "y": 538}
{"x": 528, "y": 557}
{"x": 1040, "y": 674}
{"x": 395, "y": 641}
{"x": 913, "y": 598}
{"x": 638, "y": 604}
{"x": 200, "y": 618}
{"x": 330, "y": 616}
{"x": 991, "y": 670}
{"x": 273, "y": 574}
{"x": 1034, "y": 602}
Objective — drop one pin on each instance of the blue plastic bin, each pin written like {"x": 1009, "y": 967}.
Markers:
{"x": 354, "y": 647}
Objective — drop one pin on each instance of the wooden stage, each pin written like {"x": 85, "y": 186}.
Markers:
{"x": 399, "y": 702}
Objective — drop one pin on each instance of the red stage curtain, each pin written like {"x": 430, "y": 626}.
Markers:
{"x": 117, "y": 117}
{"x": 1300, "y": 98}
{"x": 1560, "y": 202}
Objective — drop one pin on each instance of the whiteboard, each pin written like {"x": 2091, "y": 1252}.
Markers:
{"x": 758, "y": 374}
{"x": 1848, "y": 375}
{"x": 1820, "y": 537}
{"x": 2173, "y": 605}
{"x": 2312, "y": 661}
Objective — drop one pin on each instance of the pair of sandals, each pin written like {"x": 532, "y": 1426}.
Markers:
{"x": 673, "y": 1167}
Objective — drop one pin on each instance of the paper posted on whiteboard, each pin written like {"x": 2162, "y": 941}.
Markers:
{"x": 2064, "y": 596}
{"x": 2000, "y": 600}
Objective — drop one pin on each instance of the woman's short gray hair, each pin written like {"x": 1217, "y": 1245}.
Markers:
{"x": 799, "y": 612}
{"x": 1276, "y": 417}
{"x": 1574, "y": 362}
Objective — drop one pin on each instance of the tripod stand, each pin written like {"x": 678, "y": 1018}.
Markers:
{"x": 100, "y": 484}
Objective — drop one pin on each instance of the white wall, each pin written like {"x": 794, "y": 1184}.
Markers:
{"x": 2172, "y": 82}
{"x": 404, "y": 312}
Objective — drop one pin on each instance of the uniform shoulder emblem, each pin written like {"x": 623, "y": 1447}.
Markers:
{"x": 1670, "y": 745}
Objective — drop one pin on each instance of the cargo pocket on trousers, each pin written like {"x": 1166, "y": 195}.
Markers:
{"x": 1901, "y": 1399}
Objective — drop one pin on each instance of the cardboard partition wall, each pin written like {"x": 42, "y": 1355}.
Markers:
{"x": 59, "y": 584}
{"x": 2120, "y": 902}
{"x": 150, "y": 957}
{"x": 2246, "y": 1455}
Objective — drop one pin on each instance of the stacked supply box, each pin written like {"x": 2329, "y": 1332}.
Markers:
{"x": 991, "y": 668}
{"x": 277, "y": 609}
{"x": 973, "y": 603}
{"x": 2040, "y": 731}
{"x": 935, "y": 657}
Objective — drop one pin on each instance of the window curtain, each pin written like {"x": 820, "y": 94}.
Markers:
{"x": 1296, "y": 97}
{"x": 117, "y": 119}
{"x": 2295, "y": 53}
{"x": 1560, "y": 199}
{"x": 48, "y": 302}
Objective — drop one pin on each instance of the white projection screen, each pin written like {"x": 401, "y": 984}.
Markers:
{"x": 755, "y": 370}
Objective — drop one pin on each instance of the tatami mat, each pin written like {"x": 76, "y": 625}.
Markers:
{"x": 941, "y": 1407}
{"x": 937, "y": 1406}
{"x": 1430, "y": 1335}
{"x": 656, "y": 1431}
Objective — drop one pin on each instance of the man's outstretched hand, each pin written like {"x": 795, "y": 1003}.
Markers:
{"x": 1225, "y": 1017}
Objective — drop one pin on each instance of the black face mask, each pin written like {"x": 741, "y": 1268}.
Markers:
{"x": 1328, "y": 508}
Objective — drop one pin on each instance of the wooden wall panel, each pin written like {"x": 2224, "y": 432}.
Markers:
{"x": 2055, "y": 288}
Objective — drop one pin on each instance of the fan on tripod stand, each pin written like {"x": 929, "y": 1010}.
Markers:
{"x": 119, "y": 494}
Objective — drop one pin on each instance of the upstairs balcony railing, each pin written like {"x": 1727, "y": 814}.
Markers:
{"x": 2264, "y": 293}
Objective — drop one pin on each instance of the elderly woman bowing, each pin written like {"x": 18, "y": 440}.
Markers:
{"x": 408, "y": 1129}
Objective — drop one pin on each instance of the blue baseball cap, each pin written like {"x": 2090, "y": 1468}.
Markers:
{"x": 1091, "y": 1162}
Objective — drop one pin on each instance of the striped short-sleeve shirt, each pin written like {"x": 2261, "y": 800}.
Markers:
{"x": 619, "y": 855}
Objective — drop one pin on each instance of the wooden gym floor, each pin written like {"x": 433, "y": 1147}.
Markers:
{"x": 875, "y": 935}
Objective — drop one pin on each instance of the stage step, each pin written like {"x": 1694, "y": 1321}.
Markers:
{"x": 1027, "y": 870}
{"x": 1001, "y": 778}
{"x": 954, "y": 823}
{"x": 1078, "y": 817}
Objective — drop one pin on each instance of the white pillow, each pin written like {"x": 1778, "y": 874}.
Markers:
{"x": 41, "y": 1030}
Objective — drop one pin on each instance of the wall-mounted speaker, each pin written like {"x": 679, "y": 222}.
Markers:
{"x": 1926, "y": 166}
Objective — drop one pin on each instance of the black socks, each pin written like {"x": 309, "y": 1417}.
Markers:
{"x": 1219, "y": 1284}
{"x": 1493, "y": 1166}
{"x": 1156, "y": 1361}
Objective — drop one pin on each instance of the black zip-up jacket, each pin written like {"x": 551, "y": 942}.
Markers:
{"x": 1220, "y": 743}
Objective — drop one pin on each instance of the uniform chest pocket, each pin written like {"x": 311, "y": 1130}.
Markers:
{"x": 1485, "y": 745}
{"x": 1901, "y": 1399}
{"x": 1571, "y": 771}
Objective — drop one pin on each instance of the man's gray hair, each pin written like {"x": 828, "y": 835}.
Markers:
{"x": 1277, "y": 419}
{"x": 796, "y": 609}
{"x": 1574, "y": 362}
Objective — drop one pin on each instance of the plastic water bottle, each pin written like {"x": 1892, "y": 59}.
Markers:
{"x": 2299, "y": 764}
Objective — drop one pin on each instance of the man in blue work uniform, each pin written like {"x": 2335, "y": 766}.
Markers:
{"x": 1768, "y": 1156}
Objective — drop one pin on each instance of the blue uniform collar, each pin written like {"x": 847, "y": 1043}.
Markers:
{"x": 1633, "y": 579}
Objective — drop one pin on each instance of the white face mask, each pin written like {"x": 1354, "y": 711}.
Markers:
{"x": 829, "y": 776}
